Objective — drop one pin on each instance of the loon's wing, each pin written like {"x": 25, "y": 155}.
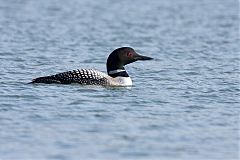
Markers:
{"x": 81, "y": 76}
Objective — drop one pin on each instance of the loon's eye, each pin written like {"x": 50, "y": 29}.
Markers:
{"x": 129, "y": 54}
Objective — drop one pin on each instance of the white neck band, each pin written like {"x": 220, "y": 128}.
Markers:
{"x": 116, "y": 71}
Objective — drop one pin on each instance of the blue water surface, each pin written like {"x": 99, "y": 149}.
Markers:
{"x": 184, "y": 104}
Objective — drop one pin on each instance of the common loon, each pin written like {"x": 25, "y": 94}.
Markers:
{"x": 117, "y": 75}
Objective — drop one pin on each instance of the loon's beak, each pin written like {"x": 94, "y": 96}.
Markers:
{"x": 140, "y": 57}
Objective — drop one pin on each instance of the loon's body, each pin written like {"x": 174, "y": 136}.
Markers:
{"x": 85, "y": 77}
{"x": 117, "y": 75}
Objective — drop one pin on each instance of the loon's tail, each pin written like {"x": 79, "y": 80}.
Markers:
{"x": 47, "y": 79}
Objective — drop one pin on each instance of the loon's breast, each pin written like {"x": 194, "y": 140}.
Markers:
{"x": 121, "y": 81}
{"x": 85, "y": 77}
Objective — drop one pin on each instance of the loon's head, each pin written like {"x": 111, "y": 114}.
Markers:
{"x": 121, "y": 57}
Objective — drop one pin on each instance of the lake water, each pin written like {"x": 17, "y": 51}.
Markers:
{"x": 184, "y": 104}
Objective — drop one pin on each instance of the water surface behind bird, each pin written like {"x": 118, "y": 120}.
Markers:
{"x": 182, "y": 105}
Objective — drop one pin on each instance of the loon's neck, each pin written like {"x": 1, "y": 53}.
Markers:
{"x": 115, "y": 65}
{"x": 118, "y": 72}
